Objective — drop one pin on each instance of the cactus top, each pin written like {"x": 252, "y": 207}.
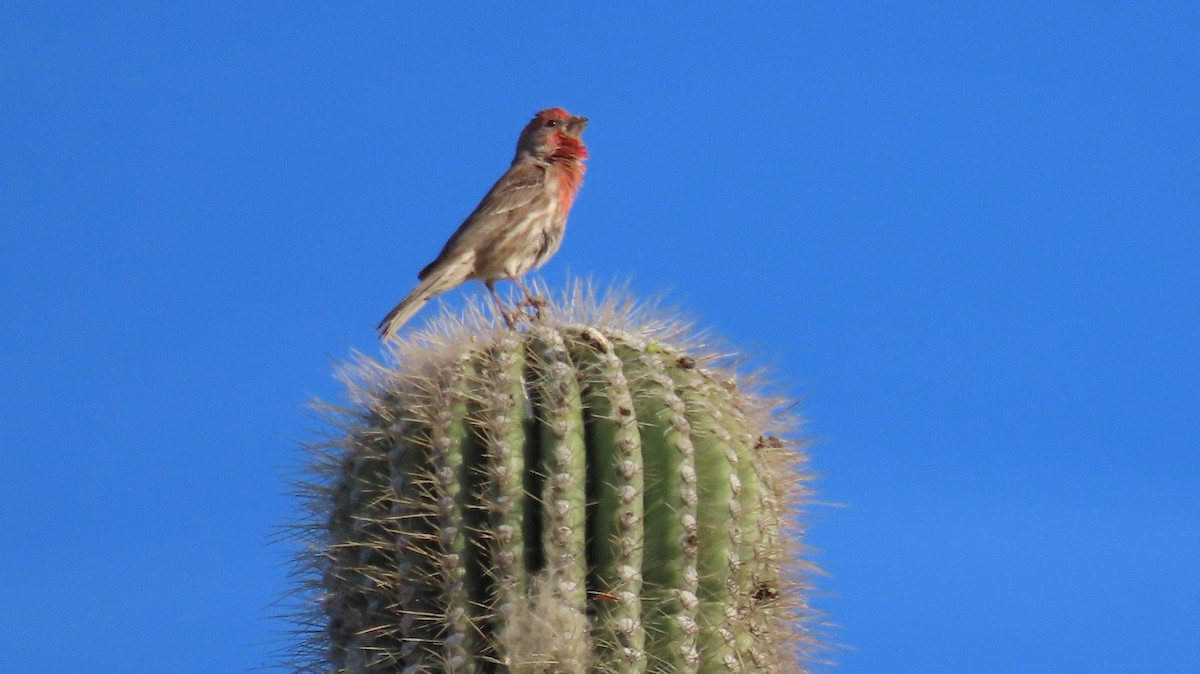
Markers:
{"x": 592, "y": 492}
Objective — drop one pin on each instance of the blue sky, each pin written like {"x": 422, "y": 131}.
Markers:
{"x": 963, "y": 234}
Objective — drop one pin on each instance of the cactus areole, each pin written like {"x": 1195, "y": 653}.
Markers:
{"x": 589, "y": 492}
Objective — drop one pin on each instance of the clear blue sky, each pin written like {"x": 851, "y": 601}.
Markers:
{"x": 966, "y": 236}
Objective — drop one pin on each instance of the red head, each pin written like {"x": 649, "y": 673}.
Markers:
{"x": 554, "y": 135}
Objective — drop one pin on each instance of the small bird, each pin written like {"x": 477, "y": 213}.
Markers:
{"x": 518, "y": 225}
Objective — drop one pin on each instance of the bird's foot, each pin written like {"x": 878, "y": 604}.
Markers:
{"x": 509, "y": 319}
{"x": 536, "y": 303}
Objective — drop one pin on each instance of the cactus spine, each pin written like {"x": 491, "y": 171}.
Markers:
{"x": 584, "y": 494}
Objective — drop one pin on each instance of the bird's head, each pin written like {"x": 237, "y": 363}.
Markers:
{"x": 552, "y": 134}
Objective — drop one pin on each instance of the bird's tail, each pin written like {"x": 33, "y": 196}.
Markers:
{"x": 432, "y": 283}
{"x": 408, "y": 306}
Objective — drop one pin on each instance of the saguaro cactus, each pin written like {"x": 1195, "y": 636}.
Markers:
{"x": 586, "y": 493}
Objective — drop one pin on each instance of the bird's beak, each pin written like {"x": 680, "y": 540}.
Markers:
{"x": 576, "y": 125}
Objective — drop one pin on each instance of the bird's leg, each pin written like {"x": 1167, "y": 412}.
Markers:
{"x": 530, "y": 299}
{"x": 491, "y": 286}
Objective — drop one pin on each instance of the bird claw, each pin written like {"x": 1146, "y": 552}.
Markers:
{"x": 536, "y": 302}
{"x": 509, "y": 319}
{"x": 519, "y": 310}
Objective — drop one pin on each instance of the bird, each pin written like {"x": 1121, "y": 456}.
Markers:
{"x": 517, "y": 226}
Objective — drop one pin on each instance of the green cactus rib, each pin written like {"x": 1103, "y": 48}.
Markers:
{"x": 500, "y": 418}
{"x": 616, "y": 515}
{"x": 669, "y": 570}
{"x": 714, "y": 468}
{"x": 563, "y": 498}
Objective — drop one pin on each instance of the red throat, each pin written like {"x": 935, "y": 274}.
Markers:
{"x": 568, "y": 148}
{"x": 567, "y": 164}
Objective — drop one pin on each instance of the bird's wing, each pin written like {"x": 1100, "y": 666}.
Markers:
{"x": 517, "y": 188}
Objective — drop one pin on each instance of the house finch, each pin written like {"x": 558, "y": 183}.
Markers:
{"x": 518, "y": 225}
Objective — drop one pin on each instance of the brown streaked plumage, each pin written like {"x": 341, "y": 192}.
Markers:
{"x": 520, "y": 222}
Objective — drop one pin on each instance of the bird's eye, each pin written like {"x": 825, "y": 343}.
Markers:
{"x": 552, "y": 122}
